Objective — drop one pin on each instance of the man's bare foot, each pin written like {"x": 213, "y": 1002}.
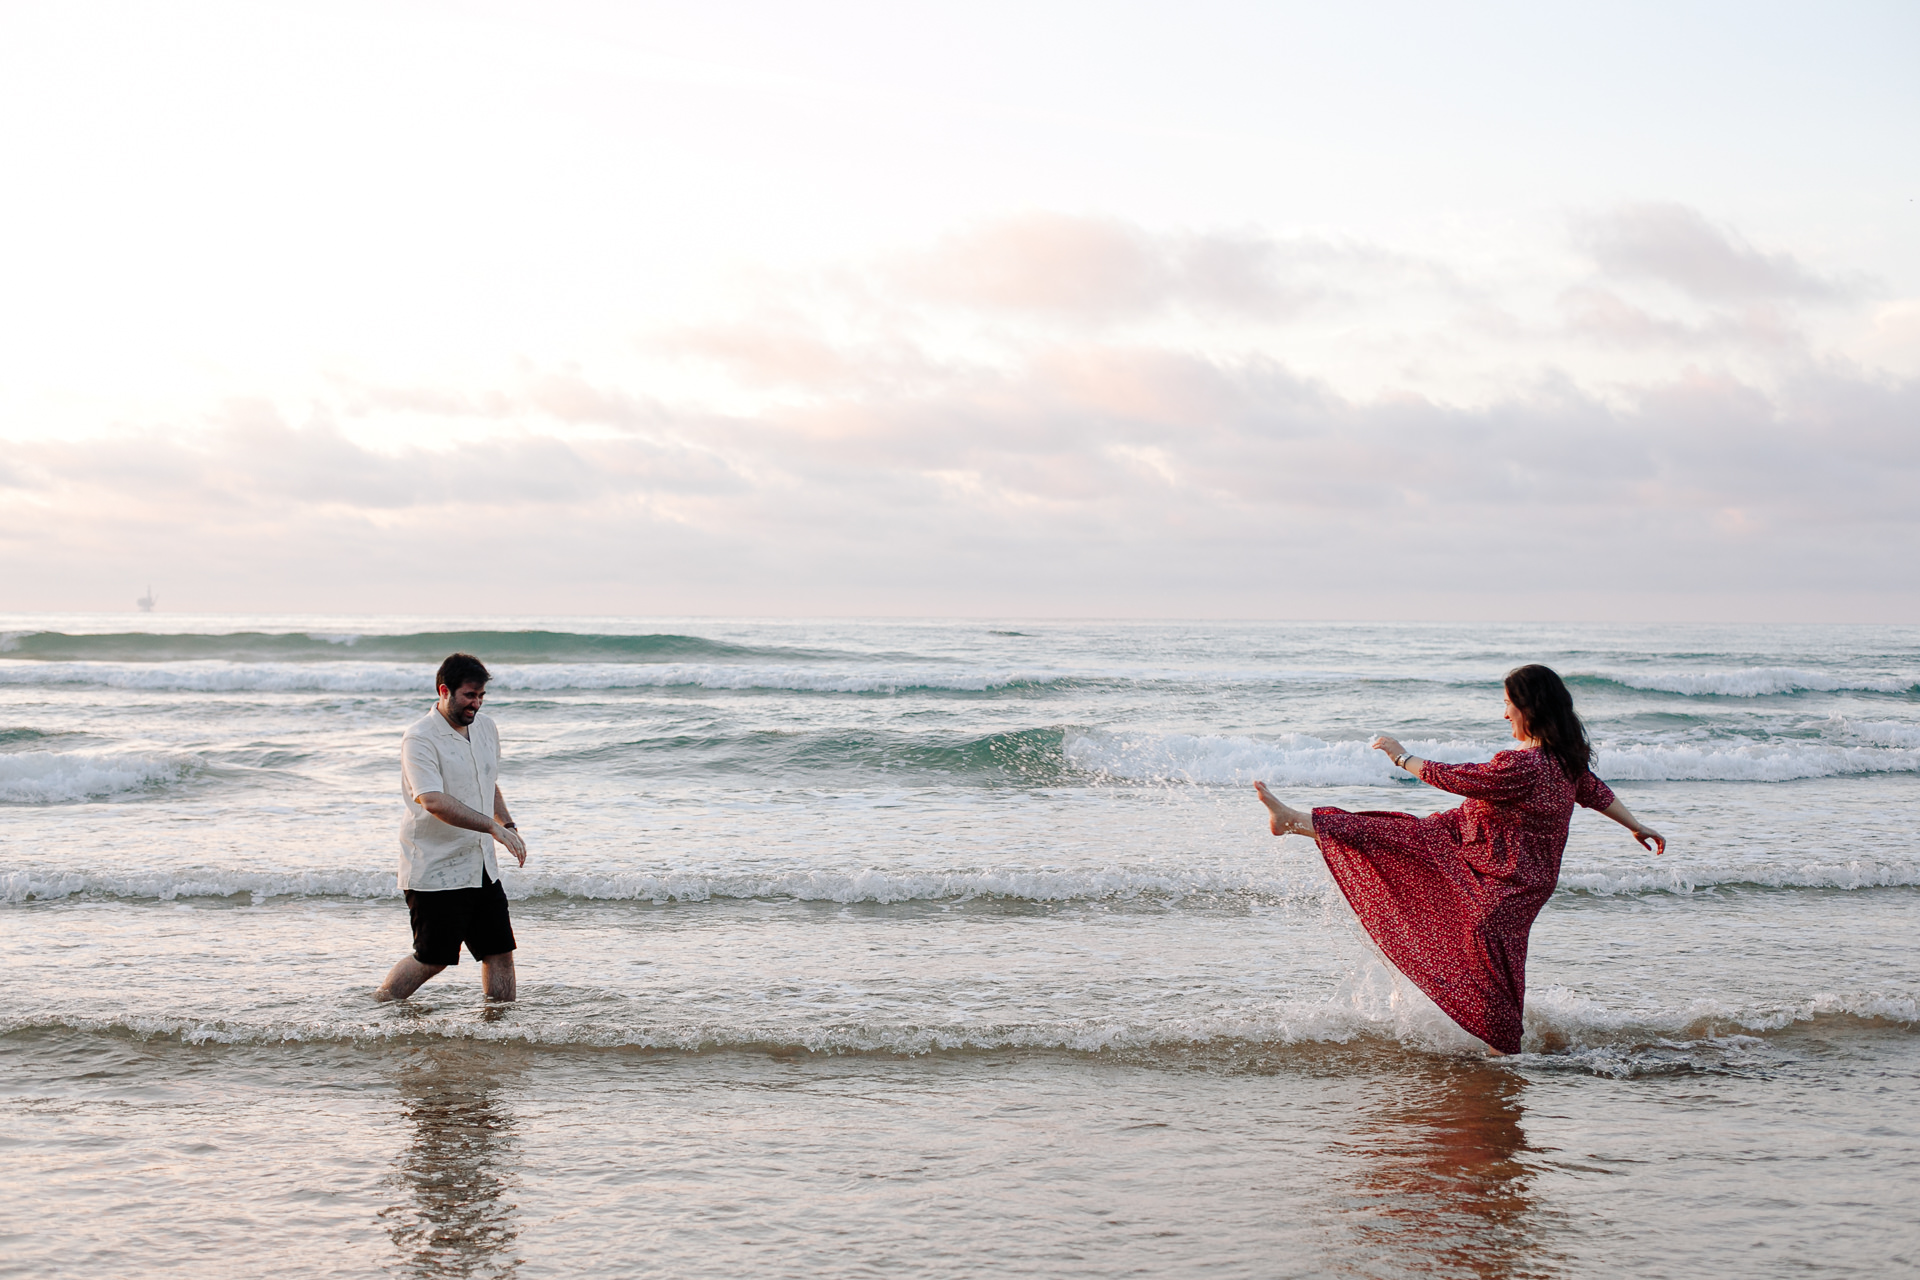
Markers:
{"x": 1287, "y": 820}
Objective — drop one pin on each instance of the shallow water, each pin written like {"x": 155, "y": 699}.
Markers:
{"x": 933, "y": 949}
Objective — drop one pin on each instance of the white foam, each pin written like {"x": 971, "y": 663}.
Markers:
{"x": 1299, "y": 760}
{"x": 1879, "y": 733}
{"x": 224, "y": 677}
{"x": 1861, "y": 873}
{"x": 872, "y": 885}
{"x": 1580, "y": 1020}
{"x": 1778, "y": 761}
{"x": 1301, "y": 880}
{"x": 55, "y": 777}
{"x": 654, "y": 1029}
{"x": 806, "y": 679}
{"x": 806, "y": 885}
{"x": 1754, "y": 682}
{"x": 32, "y": 884}
{"x": 393, "y": 677}
{"x": 1374, "y": 1002}
{"x": 1294, "y": 759}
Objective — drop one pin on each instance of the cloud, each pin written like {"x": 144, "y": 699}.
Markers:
{"x": 982, "y": 426}
{"x": 1892, "y": 340}
{"x": 1677, "y": 246}
{"x": 1604, "y": 318}
{"x": 1091, "y": 478}
{"x": 557, "y": 395}
{"x": 1090, "y": 269}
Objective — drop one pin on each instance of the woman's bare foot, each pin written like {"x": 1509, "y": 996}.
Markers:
{"x": 1287, "y": 820}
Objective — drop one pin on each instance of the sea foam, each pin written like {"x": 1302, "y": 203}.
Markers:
{"x": 1372, "y": 1003}
{"x": 1287, "y": 880}
{"x": 1753, "y": 682}
{"x": 55, "y": 777}
{"x": 693, "y": 885}
{"x": 390, "y": 677}
{"x": 1299, "y": 760}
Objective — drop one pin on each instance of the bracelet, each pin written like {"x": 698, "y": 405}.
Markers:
{"x": 1400, "y": 762}
{"x": 510, "y": 826}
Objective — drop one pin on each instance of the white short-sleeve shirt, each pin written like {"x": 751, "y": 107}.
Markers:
{"x": 435, "y": 757}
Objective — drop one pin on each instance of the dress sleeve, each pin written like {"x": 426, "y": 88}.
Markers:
{"x": 420, "y": 767}
{"x": 1592, "y": 792}
{"x": 1506, "y": 779}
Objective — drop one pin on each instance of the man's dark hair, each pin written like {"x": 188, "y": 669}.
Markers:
{"x": 461, "y": 669}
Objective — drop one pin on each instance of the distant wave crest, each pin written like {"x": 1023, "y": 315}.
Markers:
{"x": 1686, "y": 878}
{"x": 388, "y": 677}
{"x": 420, "y": 647}
{"x": 1748, "y": 682}
{"x": 1299, "y": 760}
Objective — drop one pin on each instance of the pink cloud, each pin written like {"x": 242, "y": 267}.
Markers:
{"x": 1676, "y": 245}
{"x": 1092, "y": 269}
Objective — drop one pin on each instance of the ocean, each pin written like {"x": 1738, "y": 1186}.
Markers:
{"x": 943, "y": 949}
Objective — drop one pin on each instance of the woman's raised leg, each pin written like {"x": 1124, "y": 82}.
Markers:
{"x": 1287, "y": 820}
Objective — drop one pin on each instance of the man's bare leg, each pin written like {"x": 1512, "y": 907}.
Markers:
{"x": 496, "y": 975}
{"x": 405, "y": 978}
{"x": 1287, "y": 820}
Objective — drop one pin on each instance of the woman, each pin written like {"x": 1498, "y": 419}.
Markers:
{"x": 1450, "y": 897}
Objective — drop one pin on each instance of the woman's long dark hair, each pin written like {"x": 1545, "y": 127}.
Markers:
{"x": 1540, "y": 696}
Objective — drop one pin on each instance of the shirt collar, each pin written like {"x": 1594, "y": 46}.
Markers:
{"x": 446, "y": 727}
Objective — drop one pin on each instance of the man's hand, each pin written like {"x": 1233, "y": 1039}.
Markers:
{"x": 510, "y": 838}
{"x": 455, "y": 814}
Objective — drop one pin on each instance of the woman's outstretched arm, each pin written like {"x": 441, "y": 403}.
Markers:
{"x": 1646, "y": 835}
{"x": 1401, "y": 758}
{"x": 1503, "y": 780}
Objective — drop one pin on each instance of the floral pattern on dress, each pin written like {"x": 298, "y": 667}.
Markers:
{"x": 1451, "y": 898}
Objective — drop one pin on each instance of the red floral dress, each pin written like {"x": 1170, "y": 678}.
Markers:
{"x": 1451, "y": 897}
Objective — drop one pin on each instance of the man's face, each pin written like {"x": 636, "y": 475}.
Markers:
{"x": 462, "y": 704}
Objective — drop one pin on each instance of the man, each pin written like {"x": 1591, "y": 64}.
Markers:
{"x": 449, "y": 771}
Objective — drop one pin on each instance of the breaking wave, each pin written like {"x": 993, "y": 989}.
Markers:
{"x": 57, "y": 777}
{"x": 1299, "y": 760}
{"x": 1371, "y": 1005}
{"x": 804, "y": 885}
{"x": 422, "y": 647}
{"x": 387, "y": 677}
{"x": 1748, "y": 682}
{"x": 1680, "y": 878}
{"x": 1030, "y": 757}
{"x": 1297, "y": 880}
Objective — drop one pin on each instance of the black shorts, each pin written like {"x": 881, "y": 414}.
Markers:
{"x": 445, "y": 918}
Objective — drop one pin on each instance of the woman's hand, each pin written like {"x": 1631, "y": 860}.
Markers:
{"x": 1646, "y": 835}
{"x": 1389, "y": 745}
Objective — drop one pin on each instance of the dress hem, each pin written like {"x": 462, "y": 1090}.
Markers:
{"x": 1334, "y": 869}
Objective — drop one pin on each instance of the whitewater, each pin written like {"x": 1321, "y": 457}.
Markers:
{"x": 942, "y": 947}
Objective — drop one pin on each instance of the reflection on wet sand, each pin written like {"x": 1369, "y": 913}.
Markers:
{"x": 1442, "y": 1184}
{"x": 455, "y": 1217}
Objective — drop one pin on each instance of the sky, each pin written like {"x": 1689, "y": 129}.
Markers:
{"x": 1205, "y": 310}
